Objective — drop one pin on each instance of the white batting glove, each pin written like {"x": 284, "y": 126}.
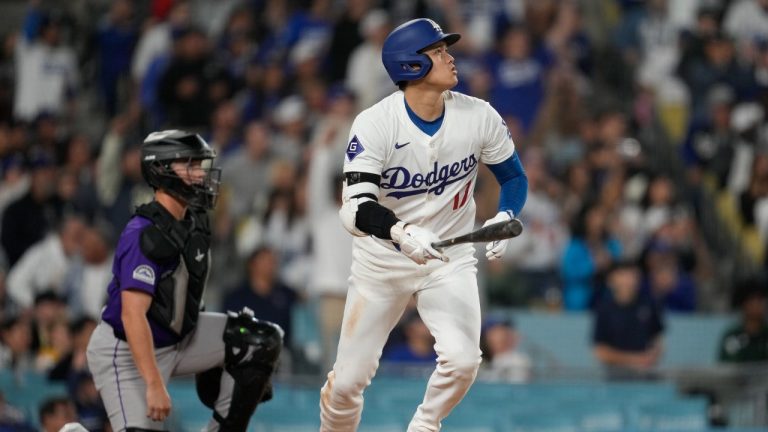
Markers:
{"x": 416, "y": 242}
{"x": 495, "y": 249}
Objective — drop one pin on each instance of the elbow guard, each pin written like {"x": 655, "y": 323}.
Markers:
{"x": 348, "y": 215}
{"x": 364, "y": 216}
{"x": 354, "y": 193}
{"x": 360, "y": 213}
{"x": 375, "y": 219}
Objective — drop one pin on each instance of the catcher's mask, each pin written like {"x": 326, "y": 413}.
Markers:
{"x": 193, "y": 179}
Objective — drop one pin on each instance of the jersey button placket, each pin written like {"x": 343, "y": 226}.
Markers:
{"x": 432, "y": 160}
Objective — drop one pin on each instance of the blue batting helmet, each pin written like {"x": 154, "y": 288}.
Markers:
{"x": 402, "y": 55}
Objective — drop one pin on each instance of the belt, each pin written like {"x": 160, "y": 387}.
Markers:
{"x": 118, "y": 333}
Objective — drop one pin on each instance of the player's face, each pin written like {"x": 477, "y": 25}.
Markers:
{"x": 443, "y": 73}
{"x": 192, "y": 172}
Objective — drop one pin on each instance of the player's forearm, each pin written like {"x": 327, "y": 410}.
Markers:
{"x": 514, "y": 184}
{"x": 375, "y": 219}
{"x": 141, "y": 343}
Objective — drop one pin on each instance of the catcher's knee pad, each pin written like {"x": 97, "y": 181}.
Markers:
{"x": 252, "y": 349}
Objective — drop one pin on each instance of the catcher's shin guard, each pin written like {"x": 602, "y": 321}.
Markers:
{"x": 252, "y": 349}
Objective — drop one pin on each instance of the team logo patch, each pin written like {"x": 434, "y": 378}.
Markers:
{"x": 354, "y": 148}
{"x": 435, "y": 25}
{"x": 144, "y": 273}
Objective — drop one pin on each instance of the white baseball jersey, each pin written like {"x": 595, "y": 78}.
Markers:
{"x": 427, "y": 180}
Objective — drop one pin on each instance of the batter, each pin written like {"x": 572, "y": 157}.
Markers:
{"x": 410, "y": 172}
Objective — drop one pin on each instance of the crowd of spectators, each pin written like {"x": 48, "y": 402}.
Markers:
{"x": 622, "y": 112}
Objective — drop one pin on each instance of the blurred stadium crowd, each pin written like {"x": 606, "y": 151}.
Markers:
{"x": 641, "y": 125}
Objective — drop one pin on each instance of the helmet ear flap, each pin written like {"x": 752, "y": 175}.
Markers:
{"x": 406, "y": 64}
{"x": 404, "y": 46}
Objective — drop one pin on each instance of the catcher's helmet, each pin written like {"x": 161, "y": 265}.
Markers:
{"x": 162, "y": 148}
{"x": 402, "y": 49}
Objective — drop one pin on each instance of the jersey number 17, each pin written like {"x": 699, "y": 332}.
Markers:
{"x": 461, "y": 197}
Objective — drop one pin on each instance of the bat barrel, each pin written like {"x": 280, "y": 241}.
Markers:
{"x": 443, "y": 243}
{"x": 497, "y": 231}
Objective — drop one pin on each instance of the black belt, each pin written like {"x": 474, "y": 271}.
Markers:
{"x": 118, "y": 333}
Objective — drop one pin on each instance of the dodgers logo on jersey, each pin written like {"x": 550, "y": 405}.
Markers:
{"x": 406, "y": 184}
{"x": 354, "y": 148}
{"x": 509, "y": 133}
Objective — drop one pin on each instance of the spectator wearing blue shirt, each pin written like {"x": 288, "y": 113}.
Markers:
{"x": 418, "y": 345}
{"x": 263, "y": 293}
{"x": 710, "y": 143}
{"x": 116, "y": 39}
{"x": 718, "y": 66}
{"x": 628, "y": 326}
{"x": 519, "y": 74}
{"x": 588, "y": 254}
{"x": 665, "y": 281}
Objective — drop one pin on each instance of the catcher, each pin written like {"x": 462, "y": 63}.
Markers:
{"x": 152, "y": 327}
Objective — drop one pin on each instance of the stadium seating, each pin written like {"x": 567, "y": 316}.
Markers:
{"x": 28, "y": 390}
{"x": 488, "y": 407}
{"x": 563, "y": 340}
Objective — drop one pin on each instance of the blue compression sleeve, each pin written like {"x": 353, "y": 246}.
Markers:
{"x": 514, "y": 184}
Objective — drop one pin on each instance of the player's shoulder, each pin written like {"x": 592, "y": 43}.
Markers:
{"x": 468, "y": 103}
{"x": 382, "y": 108}
{"x": 136, "y": 223}
{"x": 133, "y": 229}
{"x": 376, "y": 121}
{"x": 462, "y": 99}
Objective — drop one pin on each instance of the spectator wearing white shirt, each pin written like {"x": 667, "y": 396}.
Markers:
{"x": 536, "y": 253}
{"x": 90, "y": 271}
{"x": 366, "y": 75}
{"x": 156, "y": 41}
{"x": 503, "y": 359}
{"x": 44, "y": 266}
{"x": 747, "y": 22}
{"x": 46, "y": 69}
{"x": 331, "y": 247}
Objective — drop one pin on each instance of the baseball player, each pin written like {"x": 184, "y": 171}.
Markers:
{"x": 410, "y": 171}
{"x": 152, "y": 327}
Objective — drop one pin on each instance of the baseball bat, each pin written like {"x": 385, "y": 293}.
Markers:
{"x": 498, "y": 231}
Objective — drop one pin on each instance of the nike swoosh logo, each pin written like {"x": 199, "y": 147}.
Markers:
{"x": 399, "y": 146}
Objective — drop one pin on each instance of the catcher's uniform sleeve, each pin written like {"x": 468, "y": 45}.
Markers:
{"x": 136, "y": 270}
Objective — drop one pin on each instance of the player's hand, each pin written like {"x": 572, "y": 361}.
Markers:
{"x": 416, "y": 243}
{"x": 158, "y": 402}
{"x": 495, "y": 249}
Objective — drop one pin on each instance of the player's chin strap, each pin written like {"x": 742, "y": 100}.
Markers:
{"x": 252, "y": 349}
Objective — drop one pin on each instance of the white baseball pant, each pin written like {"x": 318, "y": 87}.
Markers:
{"x": 448, "y": 302}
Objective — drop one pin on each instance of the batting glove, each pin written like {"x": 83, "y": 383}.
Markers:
{"x": 495, "y": 249}
{"x": 416, "y": 243}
